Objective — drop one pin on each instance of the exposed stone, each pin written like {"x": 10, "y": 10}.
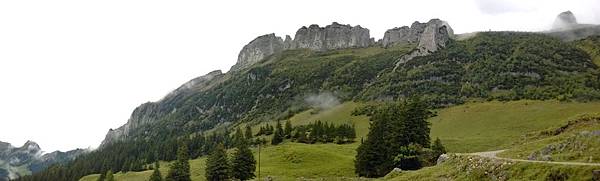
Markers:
{"x": 565, "y": 20}
{"x": 429, "y": 37}
{"x": 257, "y": 49}
{"x": 442, "y": 158}
{"x": 334, "y": 36}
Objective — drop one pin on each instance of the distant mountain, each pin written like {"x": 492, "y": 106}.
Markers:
{"x": 567, "y": 28}
{"x": 29, "y": 158}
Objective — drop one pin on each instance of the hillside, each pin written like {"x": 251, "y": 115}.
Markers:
{"x": 460, "y": 127}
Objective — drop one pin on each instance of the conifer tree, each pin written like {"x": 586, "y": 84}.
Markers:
{"x": 287, "y": 131}
{"x": 248, "y": 133}
{"x": 110, "y": 176}
{"x": 156, "y": 176}
{"x": 243, "y": 163}
{"x": 180, "y": 169}
{"x": 238, "y": 137}
{"x": 438, "y": 148}
{"x": 217, "y": 165}
{"x": 102, "y": 177}
{"x": 277, "y": 135}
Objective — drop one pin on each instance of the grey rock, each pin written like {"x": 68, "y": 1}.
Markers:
{"x": 565, "y": 20}
{"x": 334, "y": 36}
{"x": 258, "y": 49}
{"x": 442, "y": 158}
{"x": 429, "y": 37}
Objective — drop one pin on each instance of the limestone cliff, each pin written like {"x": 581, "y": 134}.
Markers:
{"x": 428, "y": 37}
{"x": 330, "y": 37}
{"x": 334, "y": 36}
{"x": 257, "y": 49}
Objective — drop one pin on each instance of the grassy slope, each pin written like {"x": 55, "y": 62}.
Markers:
{"x": 582, "y": 148}
{"x": 471, "y": 168}
{"x": 495, "y": 125}
{"x": 464, "y": 128}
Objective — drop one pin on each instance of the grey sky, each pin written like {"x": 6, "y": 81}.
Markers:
{"x": 72, "y": 69}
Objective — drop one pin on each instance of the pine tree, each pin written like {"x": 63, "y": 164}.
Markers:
{"x": 156, "y": 176}
{"x": 180, "y": 169}
{"x": 110, "y": 176}
{"x": 217, "y": 165}
{"x": 102, "y": 177}
{"x": 238, "y": 137}
{"x": 248, "y": 133}
{"x": 287, "y": 131}
{"x": 243, "y": 164}
{"x": 437, "y": 147}
{"x": 278, "y": 135}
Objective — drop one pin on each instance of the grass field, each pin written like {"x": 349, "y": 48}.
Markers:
{"x": 487, "y": 126}
{"x": 465, "y": 128}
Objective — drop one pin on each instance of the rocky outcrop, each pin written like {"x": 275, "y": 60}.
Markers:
{"x": 330, "y": 37}
{"x": 151, "y": 111}
{"x": 257, "y": 49}
{"x": 334, "y": 36}
{"x": 429, "y": 37}
{"x": 565, "y": 20}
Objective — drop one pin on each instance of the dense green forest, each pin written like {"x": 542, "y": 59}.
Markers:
{"x": 491, "y": 65}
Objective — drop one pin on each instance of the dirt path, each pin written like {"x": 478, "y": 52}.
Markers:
{"x": 493, "y": 155}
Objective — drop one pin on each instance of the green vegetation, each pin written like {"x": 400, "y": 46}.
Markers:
{"x": 217, "y": 165}
{"x": 576, "y": 141}
{"x": 486, "y": 126}
{"x": 590, "y": 45}
{"x": 156, "y": 175}
{"x": 477, "y": 168}
{"x": 397, "y": 134}
{"x": 243, "y": 163}
{"x": 180, "y": 169}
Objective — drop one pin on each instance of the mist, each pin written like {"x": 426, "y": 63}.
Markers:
{"x": 322, "y": 101}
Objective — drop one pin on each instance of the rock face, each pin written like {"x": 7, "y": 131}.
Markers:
{"x": 565, "y": 20}
{"x": 429, "y": 37}
{"x": 149, "y": 112}
{"x": 257, "y": 49}
{"x": 334, "y": 36}
{"x": 330, "y": 37}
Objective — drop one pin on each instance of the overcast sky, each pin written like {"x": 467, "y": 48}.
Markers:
{"x": 70, "y": 70}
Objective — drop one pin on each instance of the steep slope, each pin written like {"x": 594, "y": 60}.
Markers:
{"x": 590, "y": 45}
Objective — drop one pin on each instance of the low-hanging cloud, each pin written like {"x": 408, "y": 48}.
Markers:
{"x": 495, "y": 7}
{"x": 322, "y": 101}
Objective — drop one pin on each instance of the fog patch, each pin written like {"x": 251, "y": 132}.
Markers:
{"x": 322, "y": 101}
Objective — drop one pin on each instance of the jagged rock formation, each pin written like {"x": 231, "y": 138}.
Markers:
{"x": 151, "y": 111}
{"x": 565, "y": 20}
{"x": 257, "y": 49}
{"x": 18, "y": 161}
{"x": 334, "y": 36}
{"x": 429, "y": 37}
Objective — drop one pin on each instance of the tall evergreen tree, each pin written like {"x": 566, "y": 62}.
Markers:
{"x": 217, "y": 165}
{"x": 393, "y": 126}
{"x": 243, "y": 163}
{"x": 287, "y": 131}
{"x": 278, "y": 134}
{"x": 248, "y": 133}
{"x": 239, "y": 137}
{"x": 156, "y": 176}
{"x": 437, "y": 147}
{"x": 180, "y": 169}
{"x": 110, "y": 176}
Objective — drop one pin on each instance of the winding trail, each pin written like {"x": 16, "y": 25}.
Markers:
{"x": 493, "y": 155}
